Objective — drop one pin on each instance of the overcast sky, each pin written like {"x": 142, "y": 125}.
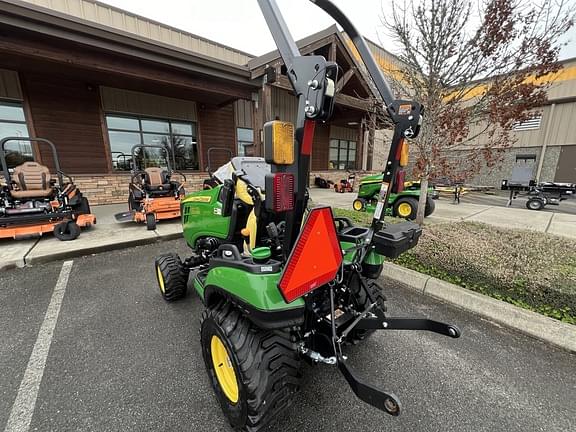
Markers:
{"x": 239, "y": 23}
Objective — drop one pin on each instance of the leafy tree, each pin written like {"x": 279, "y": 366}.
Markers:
{"x": 478, "y": 68}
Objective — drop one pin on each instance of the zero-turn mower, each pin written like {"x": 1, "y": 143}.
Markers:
{"x": 33, "y": 203}
{"x": 153, "y": 194}
{"x": 345, "y": 185}
{"x": 283, "y": 284}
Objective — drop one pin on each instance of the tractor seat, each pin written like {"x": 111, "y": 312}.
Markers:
{"x": 156, "y": 180}
{"x": 32, "y": 181}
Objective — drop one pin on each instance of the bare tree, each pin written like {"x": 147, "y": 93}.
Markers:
{"x": 478, "y": 69}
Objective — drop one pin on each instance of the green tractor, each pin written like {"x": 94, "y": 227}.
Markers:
{"x": 283, "y": 284}
{"x": 402, "y": 203}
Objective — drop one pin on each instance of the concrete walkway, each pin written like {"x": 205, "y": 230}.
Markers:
{"x": 109, "y": 235}
{"x": 105, "y": 235}
{"x": 549, "y": 221}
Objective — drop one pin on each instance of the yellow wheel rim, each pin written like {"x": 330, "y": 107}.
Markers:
{"x": 224, "y": 370}
{"x": 404, "y": 209}
{"x": 160, "y": 279}
{"x": 357, "y": 205}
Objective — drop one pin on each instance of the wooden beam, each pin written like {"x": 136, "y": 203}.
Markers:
{"x": 267, "y": 102}
{"x": 341, "y": 99}
{"x": 332, "y": 54}
{"x": 345, "y": 78}
{"x": 308, "y": 49}
{"x": 352, "y": 102}
{"x": 104, "y": 62}
{"x": 352, "y": 63}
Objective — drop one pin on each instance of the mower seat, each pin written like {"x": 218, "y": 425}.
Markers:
{"x": 156, "y": 180}
{"x": 32, "y": 181}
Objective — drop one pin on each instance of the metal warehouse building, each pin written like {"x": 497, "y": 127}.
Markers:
{"x": 97, "y": 80}
{"x": 547, "y": 142}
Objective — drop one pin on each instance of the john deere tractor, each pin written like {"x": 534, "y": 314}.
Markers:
{"x": 403, "y": 200}
{"x": 283, "y": 284}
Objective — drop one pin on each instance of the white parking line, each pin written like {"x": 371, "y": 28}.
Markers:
{"x": 23, "y": 408}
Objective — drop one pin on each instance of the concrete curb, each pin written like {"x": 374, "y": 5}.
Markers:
{"x": 101, "y": 248}
{"x": 11, "y": 265}
{"x": 530, "y": 323}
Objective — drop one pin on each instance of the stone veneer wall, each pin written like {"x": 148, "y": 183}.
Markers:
{"x": 113, "y": 188}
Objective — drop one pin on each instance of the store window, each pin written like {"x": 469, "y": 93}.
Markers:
{"x": 245, "y": 138}
{"x": 13, "y": 124}
{"x": 342, "y": 154}
{"x": 124, "y": 132}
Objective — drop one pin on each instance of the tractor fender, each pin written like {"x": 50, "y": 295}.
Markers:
{"x": 266, "y": 319}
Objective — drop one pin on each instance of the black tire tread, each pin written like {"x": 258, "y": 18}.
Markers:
{"x": 67, "y": 231}
{"x": 150, "y": 222}
{"x": 430, "y": 207}
{"x": 269, "y": 364}
{"x": 413, "y": 203}
{"x": 174, "y": 279}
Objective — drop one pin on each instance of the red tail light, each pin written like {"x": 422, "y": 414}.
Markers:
{"x": 316, "y": 256}
{"x": 280, "y": 192}
{"x": 399, "y": 181}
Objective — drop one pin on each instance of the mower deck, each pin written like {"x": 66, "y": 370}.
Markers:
{"x": 38, "y": 229}
{"x": 163, "y": 208}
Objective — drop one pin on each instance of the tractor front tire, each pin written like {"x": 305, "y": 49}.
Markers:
{"x": 359, "y": 204}
{"x": 254, "y": 372}
{"x": 170, "y": 277}
{"x": 150, "y": 221}
{"x": 67, "y": 231}
{"x": 406, "y": 207}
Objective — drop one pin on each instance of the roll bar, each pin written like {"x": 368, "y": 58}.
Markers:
{"x": 50, "y": 144}
{"x": 303, "y": 73}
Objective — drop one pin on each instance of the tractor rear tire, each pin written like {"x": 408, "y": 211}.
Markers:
{"x": 363, "y": 300}
{"x": 170, "y": 277}
{"x": 150, "y": 221}
{"x": 430, "y": 207}
{"x": 254, "y": 372}
{"x": 406, "y": 207}
{"x": 67, "y": 231}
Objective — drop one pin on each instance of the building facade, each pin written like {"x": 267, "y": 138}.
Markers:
{"x": 546, "y": 143}
{"x": 97, "y": 80}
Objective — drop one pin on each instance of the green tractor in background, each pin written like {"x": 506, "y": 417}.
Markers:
{"x": 283, "y": 284}
{"x": 402, "y": 204}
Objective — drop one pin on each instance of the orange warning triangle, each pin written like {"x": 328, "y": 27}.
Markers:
{"x": 316, "y": 257}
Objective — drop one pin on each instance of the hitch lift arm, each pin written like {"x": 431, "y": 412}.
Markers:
{"x": 406, "y": 115}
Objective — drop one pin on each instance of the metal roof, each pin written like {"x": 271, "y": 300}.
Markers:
{"x": 119, "y": 19}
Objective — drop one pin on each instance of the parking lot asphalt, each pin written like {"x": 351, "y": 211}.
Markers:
{"x": 121, "y": 359}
